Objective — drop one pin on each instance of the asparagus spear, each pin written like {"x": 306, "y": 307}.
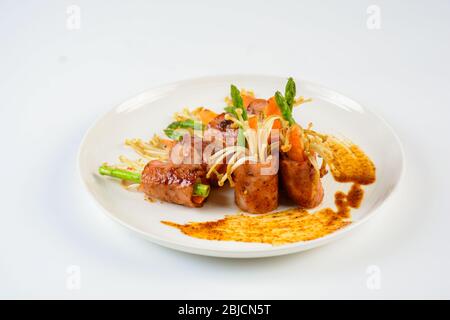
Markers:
{"x": 286, "y": 111}
{"x": 241, "y": 138}
{"x": 200, "y": 189}
{"x": 286, "y": 102}
{"x": 119, "y": 173}
{"x": 174, "y": 131}
{"x": 237, "y": 103}
{"x": 185, "y": 124}
{"x": 289, "y": 92}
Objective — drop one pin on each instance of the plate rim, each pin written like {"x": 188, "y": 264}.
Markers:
{"x": 261, "y": 252}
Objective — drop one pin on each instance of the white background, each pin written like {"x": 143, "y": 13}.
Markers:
{"x": 54, "y": 82}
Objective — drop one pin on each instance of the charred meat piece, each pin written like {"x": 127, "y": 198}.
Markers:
{"x": 173, "y": 183}
{"x": 219, "y": 134}
{"x": 220, "y": 123}
{"x": 257, "y": 106}
{"x": 199, "y": 152}
{"x": 189, "y": 150}
{"x": 255, "y": 192}
{"x": 301, "y": 182}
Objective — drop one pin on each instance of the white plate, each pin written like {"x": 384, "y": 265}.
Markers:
{"x": 151, "y": 111}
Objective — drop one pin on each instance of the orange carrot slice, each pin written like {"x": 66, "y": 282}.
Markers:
{"x": 206, "y": 115}
{"x": 272, "y": 109}
{"x": 247, "y": 100}
{"x": 253, "y": 122}
{"x": 297, "y": 147}
{"x": 198, "y": 199}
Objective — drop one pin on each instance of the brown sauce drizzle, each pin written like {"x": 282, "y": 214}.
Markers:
{"x": 347, "y": 164}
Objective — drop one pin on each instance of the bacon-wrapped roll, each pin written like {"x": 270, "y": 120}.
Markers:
{"x": 301, "y": 182}
{"x": 255, "y": 191}
{"x": 175, "y": 183}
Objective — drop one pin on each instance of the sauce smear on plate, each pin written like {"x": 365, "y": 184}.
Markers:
{"x": 348, "y": 163}
{"x": 278, "y": 228}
